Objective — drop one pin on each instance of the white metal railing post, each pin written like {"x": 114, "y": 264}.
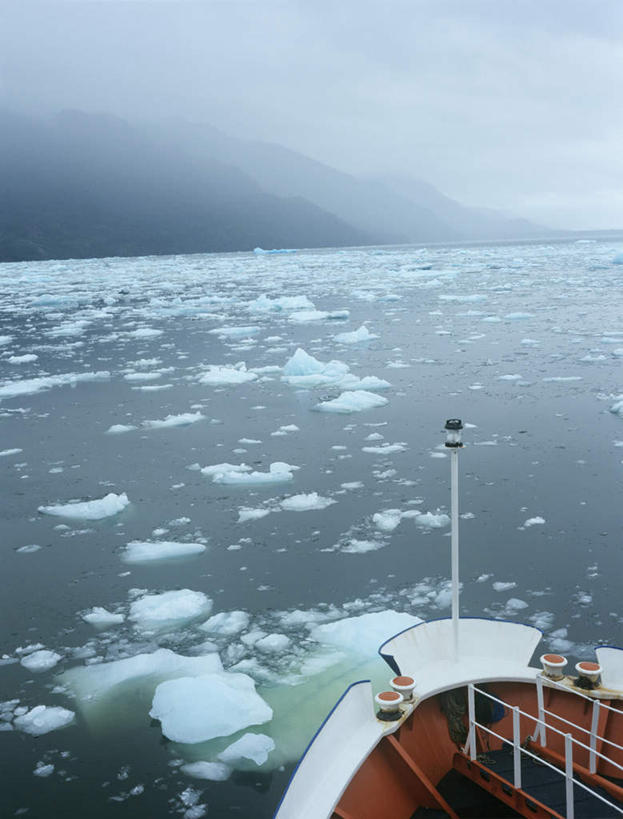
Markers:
{"x": 471, "y": 708}
{"x": 569, "y": 774}
{"x": 540, "y": 732}
{"x": 516, "y": 747}
{"x": 593, "y": 743}
{"x": 454, "y": 511}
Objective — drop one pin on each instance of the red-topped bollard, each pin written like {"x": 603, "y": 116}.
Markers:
{"x": 389, "y": 703}
{"x": 553, "y": 666}
{"x": 403, "y": 685}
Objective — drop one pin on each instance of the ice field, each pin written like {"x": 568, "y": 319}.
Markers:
{"x": 224, "y": 485}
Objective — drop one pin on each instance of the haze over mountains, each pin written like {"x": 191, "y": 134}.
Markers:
{"x": 80, "y": 185}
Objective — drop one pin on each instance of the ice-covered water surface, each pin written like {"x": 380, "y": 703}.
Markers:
{"x": 164, "y": 418}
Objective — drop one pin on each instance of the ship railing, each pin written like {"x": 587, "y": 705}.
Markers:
{"x": 518, "y": 749}
{"x": 541, "y": 733}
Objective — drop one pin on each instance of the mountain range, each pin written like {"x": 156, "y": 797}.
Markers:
{"x": 81, "y": 185}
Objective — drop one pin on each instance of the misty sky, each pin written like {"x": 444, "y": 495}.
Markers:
{"x": 511, "y": 104}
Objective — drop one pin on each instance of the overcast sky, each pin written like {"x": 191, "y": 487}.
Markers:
{"x": 509, "y": 104}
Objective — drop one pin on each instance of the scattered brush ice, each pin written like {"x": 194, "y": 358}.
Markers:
{"x": 43, "y": 770}
{"x": 104, "y": 507}
{"x": 432, "y": 520}
{"x": 44, "y": 718}
{"x": 385, "y": 449}
{"x": 361, "y": 334}
{"x": 365, "y": 633}
{"x": 305, "y": 316}
{"x": 278, "y": 472}
{"x": 31, "y": 386}
{"x": 543, "y": 620}
{"x": 227, "y": 623}
{"x": 360, "y": 547}
{"x": 168, "y": 608}
{"x": 387, "y": 521}
{"x": 183, "y": 420}
{"x": 22, "y": 359}
{"x": 349, "y": 402}
{"x": 146, "y": 551}
{"x": 92, "y": 682}
{"x": 221, "y": 376}
{"x": 305, "y": 502}
{"x": 273, "y": 643}
{"x": 513, "y": 605}
{"x": 196, "y": 709}
{"x": 119, "y": 429}
{"x": 41, "y": 660}
{"x": 101, "y": 617}
{"x": 214, "y": 771}
{"x": 6, "y": 452}
{"x": 254, "y": 747}
{"x": 537, "y": 521}
{"x": 145, "y": 332}
{"x": 283, "y": 304}
{"x": 245, "y": 514}
{"x": 500, "y": 586}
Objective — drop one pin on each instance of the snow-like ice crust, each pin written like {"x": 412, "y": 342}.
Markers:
{"x": 196, "y": 709}
{"x": 138, "y": 551}
{"x": 105, "y": 507}
{"x": 153, "y": 611}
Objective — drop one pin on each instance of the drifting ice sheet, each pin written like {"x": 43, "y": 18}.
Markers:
{"x": 104, "y": 507}
{"x": 254, "y": 747}
{"x": 217, "y": 376}
{"x": 168, "y": 608}
{"x": 362, "y": 334}
{"x": 44, "y": 718}
{"x": 145, "y": 551}
{"x": 279, "y": 472}
{"x": 183, "y": 420}
{"x": 31, "y": 386}
{"x": 365, "y": 633}
{"x": 305, "y": 502}
{"x": 353, "y": 402}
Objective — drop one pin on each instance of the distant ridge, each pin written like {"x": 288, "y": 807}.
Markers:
{"x": 84, "y": 185}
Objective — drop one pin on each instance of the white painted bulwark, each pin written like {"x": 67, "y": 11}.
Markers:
{"x": 610, "y": 659}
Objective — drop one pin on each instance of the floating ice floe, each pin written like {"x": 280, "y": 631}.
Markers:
{"x": 91, "y": 683}
{"x": 282, "y": 304}
{"x": 41, "y": 660}
{"x": 197, "y": 709}
{"x": 304, "y": 316}
{"x": 501, "y": 585}
{"x": 6, "y": 452}
{"x": 537, "y": 521}
{"x": 252, "y": 747}
{"x": 4, "y": 340}
{"x": 22, "y": 359}
{"x": 278, "y": 472}
{"x": 227, "y": 622}
{"x": 349, "y": 402}
{"x": 245, "y": 514}
{"x": 31, "y": 386}
{"x": 146, "y": 551}
{"x": 142, "y": 376}
{"x": 617, "y": 407}
{"x": 119, "y": 429}
{"x": 360, "y": 547}
{"x": 145, "y": 332}
{"x": 44, "y": 718}
{"x": 356, "y": 336}
{"x": 171, "y": 608}
{"x": 365, "y": 633}
{"x": 236, "y": 332}
{"x": 101, "y": 617}
{"x": 216, "y": 469}
{"x": 388, "y": 520}
{"x": 104, "y": 507}
{"x": 305, "y": 502}
{"x": 221, "y": 376}
{"x": 430, "y": 520}
{"x": 385, "y": 449}
{"x": 214, "y": 771}
{"x": 183, "y": 420}
{"x": 273, "y": 643}
{"x": 303, "y": 370}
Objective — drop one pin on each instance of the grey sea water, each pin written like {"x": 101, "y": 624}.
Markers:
{"x": 523, "y": 342}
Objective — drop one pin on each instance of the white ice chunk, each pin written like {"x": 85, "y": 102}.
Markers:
{"x": 365, "y": 633}
{"x": 216, "y": 469}
{"x": 430, "y": 520}
{"x": 214, "y": 771}
{"x": 361, "y": 334}
{"x": 168, "y": 608}
{"x": 236, "y": 332}
{"x": 264, "y": 304}
{"x": 278, "y": 472}
{"x": 22, "y": 359}
{"x": 537, "y": 521}
{"x": 31, "y": 386}
{"x": 305, "y": 502}
{"x": 359, "y": 547}
{"x": 41, "y": 660}
{"x": 104, "y": 507}
{"x": 101, "y": 617}
{"x": 145, "y": 332}
{"x": 385, "y": 449}
{"x": 119, "y": 429}
{"x": 387, "y": 521}
{"x": 196, "y": 709}
{"x": 183, "y": 420}
{"x": 5, "y": 452}
{"x": 500, "y": 585}
{"x": 254, "y": 747}
{"x": 44, "y": 718}
{"x": 245, "y": 514}
{"x": 218, "y": 376}
{"x": 305, "y": 316}
{"x": 349, "y": 402}
{"x": 227, "y": 622}
{"x": 145, "y": 551}
{"x": 273, "y": 643}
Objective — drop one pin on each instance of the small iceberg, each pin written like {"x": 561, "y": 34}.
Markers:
{"x": 104, "y": 507}
{"x": 278, "y": 472}
{"x": 353, "y": 402}
{"x": 149, "y": 551}
{"x": 362, "y": 334}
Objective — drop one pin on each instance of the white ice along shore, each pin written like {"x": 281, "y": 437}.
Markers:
{"x": 303, "y": 370}
{"x": 98, "y": 509}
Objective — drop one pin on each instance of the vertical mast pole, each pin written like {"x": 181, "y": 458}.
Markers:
{"x": 453, "y": 443}
{"x": 454, "y": 491}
